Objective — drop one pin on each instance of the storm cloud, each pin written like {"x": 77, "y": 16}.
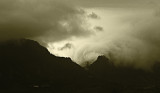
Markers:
{"x": 128, "y": 32}
{"x": 43, "y": 20}
{"x": 129, "y": 39}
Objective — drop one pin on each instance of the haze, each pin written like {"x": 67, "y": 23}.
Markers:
{"x": 125, "y": 31}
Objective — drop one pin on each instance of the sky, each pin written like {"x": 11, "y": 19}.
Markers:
{"x": 125, "y": 31}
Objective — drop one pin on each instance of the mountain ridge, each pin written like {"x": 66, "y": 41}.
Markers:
{"x": 26, "y": 63}
{"x": 26, "y": 66}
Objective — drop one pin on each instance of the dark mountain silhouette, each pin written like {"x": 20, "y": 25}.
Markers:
{"x": 28, "y": 67}
{"x": 25, "y": 63}
{"x": 126, "y": 79}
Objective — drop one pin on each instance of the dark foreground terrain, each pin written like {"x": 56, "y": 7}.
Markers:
{"x": 27, "y": 67}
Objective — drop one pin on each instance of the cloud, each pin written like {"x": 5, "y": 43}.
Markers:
{"x": 43, "y": 20}
{"x": 93, "y": 15}
{"x": 98, "y": 28}
{"x": 66, "y": 46}
{"x": 116, "y": 3}
{"x": 130, "y": 39}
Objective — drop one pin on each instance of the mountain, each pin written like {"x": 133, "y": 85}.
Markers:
{"x": 28, "y": 67}
{"x": 26, "y": 64}
{"x": 126, "y": 79}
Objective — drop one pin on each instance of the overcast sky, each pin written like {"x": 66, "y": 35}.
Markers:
{"x": 113, "y": 3}
{"x": 125, "y": 31}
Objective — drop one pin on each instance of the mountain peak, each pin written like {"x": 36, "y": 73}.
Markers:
{"x": 26, "y": 61}
{"x": 102, "y": 58}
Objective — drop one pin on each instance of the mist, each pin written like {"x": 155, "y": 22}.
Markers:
{"x": 130, "y": 37}
{"x": 126, "y": 32}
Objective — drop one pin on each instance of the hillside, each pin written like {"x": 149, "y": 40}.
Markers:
{"x": 28, "y": 67}
{"x": 26, "y": 64}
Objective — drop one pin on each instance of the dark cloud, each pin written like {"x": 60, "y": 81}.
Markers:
{"x": 93, "y": 15}
{"x": 98, "y": 28}
{"x": 44, "y": 20}
{"x": 66, "y": 46}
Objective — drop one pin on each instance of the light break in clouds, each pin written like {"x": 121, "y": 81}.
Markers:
{"x": 125, "y": 31}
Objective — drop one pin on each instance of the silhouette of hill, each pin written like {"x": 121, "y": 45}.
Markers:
{"x": 25, "y": 63}
{"x": 28, "y": 67}
{"x": 125, "y": 79}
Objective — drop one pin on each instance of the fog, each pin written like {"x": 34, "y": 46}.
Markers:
{"x": 130, "y": 37}
{"x": 126, "y": 32}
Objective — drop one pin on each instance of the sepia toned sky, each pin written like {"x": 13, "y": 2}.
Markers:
{"x": 125, "y": 31}
{"x": 113, "y": 3}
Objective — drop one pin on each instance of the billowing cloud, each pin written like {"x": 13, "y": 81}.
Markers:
{"x": 129, "y": 38}
{"x": 130, "y": 33}
{"x": 43, "y": 20}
